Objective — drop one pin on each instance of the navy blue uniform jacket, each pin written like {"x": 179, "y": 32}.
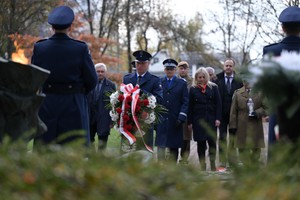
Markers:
{"x": 149, "y": 83}
{"x": 289, "y": 43}
{"x": 99, "y": 113}
{"x": 176, "y": 101}
{"x": 72, "y": 76}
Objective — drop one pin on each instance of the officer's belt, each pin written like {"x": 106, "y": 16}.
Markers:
{"x": 63, "y": 88}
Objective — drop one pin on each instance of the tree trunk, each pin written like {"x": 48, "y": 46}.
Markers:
{"x": 128, "y": 34}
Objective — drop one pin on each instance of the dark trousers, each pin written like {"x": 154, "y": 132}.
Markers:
{"x": 272, "y": 124}
{"x": 161, "y": 154}
{"x": 102, "y": 139}
{"x": 201, "y": 148}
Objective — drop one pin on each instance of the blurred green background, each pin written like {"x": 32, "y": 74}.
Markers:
{"x": 75, "y": 172}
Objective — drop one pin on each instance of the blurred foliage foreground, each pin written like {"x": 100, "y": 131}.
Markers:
{"x": 74, "y": 172}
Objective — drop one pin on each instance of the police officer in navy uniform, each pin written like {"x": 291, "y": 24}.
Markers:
{"x": 65, "y": 108}
{"x": 148, "y": 82}
{"x": 170, "y": 130}
{"x": 290, "y": 19}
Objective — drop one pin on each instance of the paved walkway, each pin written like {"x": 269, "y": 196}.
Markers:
{"x": 193, "y": 158}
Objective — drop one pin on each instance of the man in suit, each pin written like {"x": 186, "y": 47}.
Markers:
{"x": 169, "y": 131}
{"x": 227, "y": 82}
{"x": 65, "y": 108}
{"x": 183, "y": 72}
{"x": 100, "y": 120}
{"x": 290, "y": 19}
{"x": 147, "y": 82}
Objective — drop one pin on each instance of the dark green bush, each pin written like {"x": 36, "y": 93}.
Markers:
{"x": 66, "y": 173}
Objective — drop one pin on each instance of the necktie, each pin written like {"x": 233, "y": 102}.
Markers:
{"x": 96, "y": 94}
{"x": 139, "y": 80}
{"x": 228, "y": 84}
{"x": 169, "y": 82}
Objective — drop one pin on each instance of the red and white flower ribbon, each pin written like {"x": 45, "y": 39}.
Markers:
{"x": 129, "y": 90}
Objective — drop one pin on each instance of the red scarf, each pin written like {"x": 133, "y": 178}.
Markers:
{"x": 203, "y": 88}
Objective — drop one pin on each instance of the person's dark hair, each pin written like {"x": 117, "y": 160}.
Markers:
{"x": 291, "y": 28}
{"x": 61, "y": 27}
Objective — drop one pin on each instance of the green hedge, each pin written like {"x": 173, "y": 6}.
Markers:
{"x": 74, "y": 172}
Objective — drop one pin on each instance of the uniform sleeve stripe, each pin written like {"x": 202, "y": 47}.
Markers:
{"x": 182, "y": 113}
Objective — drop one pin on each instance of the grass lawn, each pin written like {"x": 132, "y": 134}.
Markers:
{"x": 114, "y": 139}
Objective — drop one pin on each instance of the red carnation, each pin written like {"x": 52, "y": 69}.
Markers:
{"x": 139, "y": 101}
{"x": 146, "y": 102}
{"x": 119, "y": 110}
{"x": 137, "y": 108}
{"x": 144, "y": 115}
{"x": 127, "y": 106}
{"x": 129, "y": 99}
{"x": 126, "y": 118}
{"x": 128, "y": 127}
{"x": 120, "y": 97}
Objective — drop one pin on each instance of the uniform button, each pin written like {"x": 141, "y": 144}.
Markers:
{"x": 70, "y": 86}
{"x": 49, "y": 86}
{"x": 167, "y": 101}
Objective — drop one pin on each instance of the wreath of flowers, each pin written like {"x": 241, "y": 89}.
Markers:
{"x": 133, "y": 111}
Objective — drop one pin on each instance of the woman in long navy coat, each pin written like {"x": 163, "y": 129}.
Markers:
{"x": 175, "y": 99}
{"x": 204, "y": 114}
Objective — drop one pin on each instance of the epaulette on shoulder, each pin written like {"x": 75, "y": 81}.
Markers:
{"x": 154, "y": 76}
{"x": 42, "y": 40}
{"x": 127, "y": 74}
{"x": 271, "y": 45}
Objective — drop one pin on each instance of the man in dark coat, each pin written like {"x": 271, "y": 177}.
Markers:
{"x": 100, "y": 120}
{"x": 290, "y": 19}
{"x": 148, "y": 83}
{"x": 72, "y": 76}
{"x": 227, "y": 82}
{"x": 169, "y": 131}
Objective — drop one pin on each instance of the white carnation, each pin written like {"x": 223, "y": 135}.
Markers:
{"x": 114, "y": 98}
{"x": 152, "y": 102}
{"x": 114, "y": 116}
{"x": 150, "y": 119}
